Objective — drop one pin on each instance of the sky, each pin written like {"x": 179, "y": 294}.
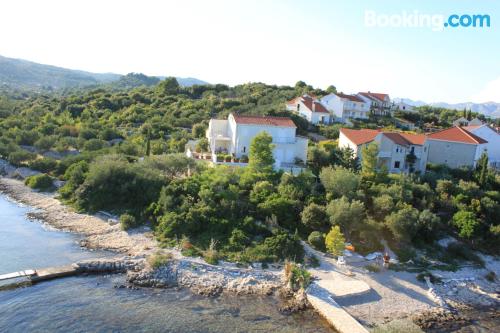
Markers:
{"x": 321, "y": 42}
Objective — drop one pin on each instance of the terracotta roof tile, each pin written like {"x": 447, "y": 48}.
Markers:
{"x": 397, "y": 138}
{"x": 360, "y": 137}
{"x": 378, "y": 96}
{"x": 310, "y": 102}
{"x": 456, "y": 134}
{"x": 414, "y": 139}
{"x": 264, "y": 120}
{"x": 352, "y": 98}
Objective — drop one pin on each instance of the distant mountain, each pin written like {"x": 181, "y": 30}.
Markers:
{"x": 18, "y": 73}
{"x": 190, "y": 81}
{"x": 489, "y": 109}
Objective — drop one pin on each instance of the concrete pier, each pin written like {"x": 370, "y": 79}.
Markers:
{"x": 322, "y": 301}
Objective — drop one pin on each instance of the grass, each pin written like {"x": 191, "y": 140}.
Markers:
{"x": 374, "y": 268}
{"x": 159, "y": 259}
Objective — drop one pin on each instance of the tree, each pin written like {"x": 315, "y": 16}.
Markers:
{"x": 317, "y": 240}
{"x": 314, "y": 216}
{"x": 403, "y": 223}
{"x": 339, "y": 181}
{"x": 198, "y": 130}
{"x": 346, "y": 214}
{"x": 331, "y": 89}
{"x": 466, "y": 222}
{"x": 261, "y": 154}
{"x": 369, "y": 161}
{"x": 335, "y": 242}
{"x": 169, "y": 86}
{"x": 481, "y": 173}
{"x": 411, "y": 158}
{"x": 202, "y": 145}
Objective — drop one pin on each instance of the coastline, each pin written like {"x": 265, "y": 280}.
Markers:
{"x": 394, "y": 295}
{"x": 138, "y": 244}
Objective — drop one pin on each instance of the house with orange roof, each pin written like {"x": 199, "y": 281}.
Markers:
{"x": 455, "y": 147}
{"x": 398, "y": 152}
{"x": 310, "y": 108}
{"x": 233, "y": 136}
{"x": 491, "y": 135}
{"x": 344, "y": 107}
{"x": 380, "y": 104}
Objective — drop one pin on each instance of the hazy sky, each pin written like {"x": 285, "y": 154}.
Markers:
{"x": 276, "y": 42}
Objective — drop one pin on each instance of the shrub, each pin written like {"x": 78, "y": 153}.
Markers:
{"x": 94, "y": 144}
{"x": 335, "y": 242}
{"x": 43, "y": 164}
{"x": 297, "y": 276}
{"x": 19, "y": 157}
{"x": 159, "y": 259}
{"x": 211, "y": 255}
{"x": 374, "y": 268}
{"x": 317, "y": 240}
{"x": 39, "y": 182}
{"x": 339, "y": 181}
{"x": 244, "y": 159}
{"x": 491, "y": 276}
{"x": 127, "y": 221}
{"x": 314, "y": 216}
{"x": 460, "y": 251}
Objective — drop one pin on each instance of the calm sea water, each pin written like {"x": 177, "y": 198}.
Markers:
{"x": 92, "y": 304}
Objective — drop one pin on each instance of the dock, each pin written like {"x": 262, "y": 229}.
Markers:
{"x": 322, "y": 301}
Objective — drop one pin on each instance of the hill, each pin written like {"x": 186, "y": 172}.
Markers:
{"x": 18, "y": 73}
{"x": 489, "y": 109}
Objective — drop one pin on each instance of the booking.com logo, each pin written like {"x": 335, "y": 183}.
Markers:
{"x": 415, "y": 19}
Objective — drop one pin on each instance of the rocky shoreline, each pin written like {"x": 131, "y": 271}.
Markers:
{"x": 180, "y": 271}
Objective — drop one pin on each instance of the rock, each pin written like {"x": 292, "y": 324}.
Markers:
{"x": 297, "y": 302}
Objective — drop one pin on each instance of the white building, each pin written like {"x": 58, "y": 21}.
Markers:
{"x": 404, "y": 107}
{"x": 234, "y": 136}
{"x": 395, "y": 149}
{"x": 455, "y": 147}
{"x": 309, "y": 108}
{"x": 464, "y": 122}
{"x": 487, "y": 133}
{"x": 380, "y": 104}
{"x": 344, "y": 107}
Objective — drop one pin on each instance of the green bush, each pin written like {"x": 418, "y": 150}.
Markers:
{"x": 19, "y": 157}
{"x": 297, "y": 276}
{"x": 40, "y": 182}
{"x": 43, "y": 164}
{"x": 159, "y": 259}
{"x": 317, "y": 240}
{"x": 128, "y": 221}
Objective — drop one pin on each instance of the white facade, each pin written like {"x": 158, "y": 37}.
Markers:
{"x": 404, "y": 107}
{"x": 310, "y": 109}
{"x": 493, "y": 146}
{"x": 393, "y": 148}
{"x": 394, "y": 154}
{"x": 344, "y": 108}
{"x": 234, "y": 137}
{"x": 380, "y": 104}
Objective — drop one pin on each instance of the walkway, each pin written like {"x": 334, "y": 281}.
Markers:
{"x": 331, "y": 283}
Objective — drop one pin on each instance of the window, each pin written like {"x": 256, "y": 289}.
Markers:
{"x": 397, "y": 149}
{"x": 244, "y": 149}
{"x": 396, "y": 165}
{"x": 425, "y": 149}
{"x": 412, "y": 150}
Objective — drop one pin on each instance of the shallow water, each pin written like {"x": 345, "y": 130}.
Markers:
{"x": 93, "y": 304}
